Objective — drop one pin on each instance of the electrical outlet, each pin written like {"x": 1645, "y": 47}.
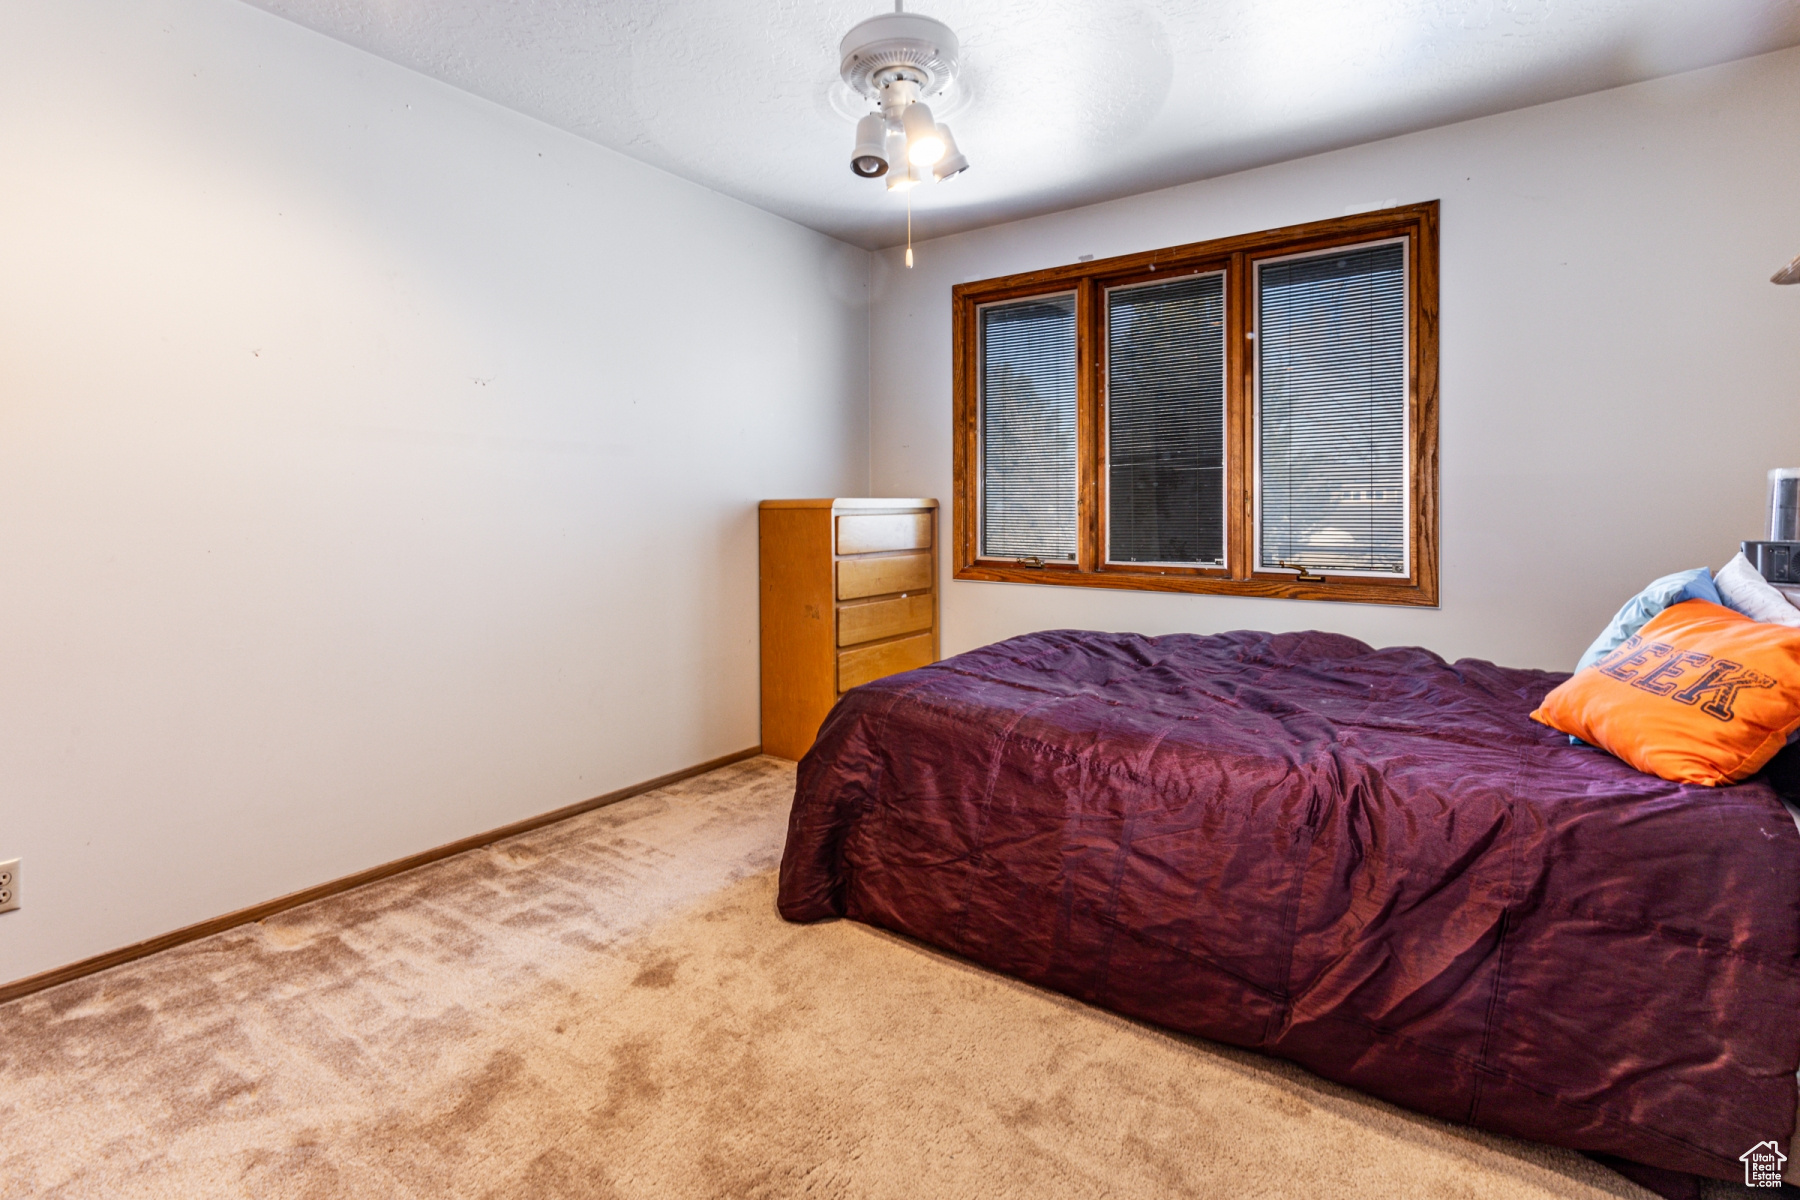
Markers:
{"x": 9, "y": 885}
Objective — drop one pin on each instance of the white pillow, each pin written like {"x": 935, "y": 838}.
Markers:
{"x": 1743, "y": 589}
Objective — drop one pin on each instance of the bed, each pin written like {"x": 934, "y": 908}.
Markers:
{"x": 1370, "y": 862}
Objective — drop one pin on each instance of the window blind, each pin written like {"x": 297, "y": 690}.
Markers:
{"x": 1331, "y": 410}
{"x": 1165, "y": 421}
{"x": 1027, "y": 391}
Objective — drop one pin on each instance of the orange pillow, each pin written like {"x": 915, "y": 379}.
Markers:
{"x": 1700, "y": 695}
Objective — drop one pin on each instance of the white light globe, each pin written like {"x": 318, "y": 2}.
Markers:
{"x": 924, "y": 145}
{"x": 926, "y": 151}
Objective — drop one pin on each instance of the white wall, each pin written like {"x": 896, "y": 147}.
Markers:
{"x": 377, "y": 466}
{"x": 1617, "y": 373}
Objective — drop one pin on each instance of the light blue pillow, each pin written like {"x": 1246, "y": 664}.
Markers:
{"x": 1670, "y": 589}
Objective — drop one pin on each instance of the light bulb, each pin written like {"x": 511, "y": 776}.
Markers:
{"x": 903, "y": 176}
{"x": 924, "y": 145}
{"x": 925, "y": 151}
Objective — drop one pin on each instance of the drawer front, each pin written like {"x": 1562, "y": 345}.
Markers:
{"x": 859, "y": 577}
{"x": 858, "y": 623}
{"x": 872, "y": 662}
{"x": 877, "y": 532}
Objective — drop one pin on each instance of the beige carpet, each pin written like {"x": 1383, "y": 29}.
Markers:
{"x": 610, "y": 1007}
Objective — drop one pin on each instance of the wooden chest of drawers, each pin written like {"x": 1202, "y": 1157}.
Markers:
{"x": 849, "y": 594}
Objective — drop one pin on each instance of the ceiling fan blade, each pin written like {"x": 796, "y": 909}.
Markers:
{"x": 1787, "y": 274}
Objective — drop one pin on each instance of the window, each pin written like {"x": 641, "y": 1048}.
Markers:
{"x": 1331, "y": 410}
{"x": 1256, "y": 415}
{"x": 1165, "y": 421}
{"x": 1029, "y": 496}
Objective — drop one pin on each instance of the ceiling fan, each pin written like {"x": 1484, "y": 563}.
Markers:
{"x": 898, "y": 60}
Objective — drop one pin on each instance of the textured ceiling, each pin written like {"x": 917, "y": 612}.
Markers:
{"x": 1062, "y": 102}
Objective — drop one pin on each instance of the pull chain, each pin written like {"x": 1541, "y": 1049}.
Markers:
{"x": 909, "y": 229}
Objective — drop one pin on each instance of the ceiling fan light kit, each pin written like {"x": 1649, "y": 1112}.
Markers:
{"x": 952, "y": 163}
{"x": 903, "y": 176}
{"x": 898, "y": 59}
{"x": 869, "y": 159}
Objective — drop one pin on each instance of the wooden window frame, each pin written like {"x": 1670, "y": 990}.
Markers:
{"x": 1417, "y": 223}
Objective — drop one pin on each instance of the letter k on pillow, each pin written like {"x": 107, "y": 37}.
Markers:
{"x": 1699, "y": 695}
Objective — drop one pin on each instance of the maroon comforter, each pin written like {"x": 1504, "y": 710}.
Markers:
{"x": 1368, "y": 861}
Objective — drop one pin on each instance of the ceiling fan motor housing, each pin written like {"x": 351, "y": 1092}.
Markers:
{"x": 897, "y": 47}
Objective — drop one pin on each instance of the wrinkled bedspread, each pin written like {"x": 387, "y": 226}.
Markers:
{"x": 1370, "y": 862}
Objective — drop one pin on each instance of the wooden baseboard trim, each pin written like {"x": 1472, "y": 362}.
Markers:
{"x": 268, "y": 908}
